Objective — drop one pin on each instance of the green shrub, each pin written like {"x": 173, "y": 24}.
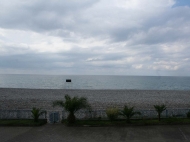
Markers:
{"x": 112, "y": 113}
{"x": 188, "y": 114}
{"x": 128, "y": 112}
{"x": 22, "y": 122}
{"x": 72, "y": 105}
{"x": 159, "y": 109}
{"x": 36, "y": 112}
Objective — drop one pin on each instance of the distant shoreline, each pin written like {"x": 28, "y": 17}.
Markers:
{"x": 91, "y": 89}
{"x": 23, "y": 98}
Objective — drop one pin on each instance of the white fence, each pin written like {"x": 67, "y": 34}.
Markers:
{"x": 101, "y": 114}
{"x": 94, "y": 114}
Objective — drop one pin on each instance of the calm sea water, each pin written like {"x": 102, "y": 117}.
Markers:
{"x": 95, "y": 82}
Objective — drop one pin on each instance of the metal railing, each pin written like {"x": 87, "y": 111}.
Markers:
{"x": 97, "y": 114}
{"x": 93, "y": 114}
{"x": 18, "y": 114}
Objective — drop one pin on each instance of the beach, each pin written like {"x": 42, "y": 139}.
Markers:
{"x": 15, "y": 98}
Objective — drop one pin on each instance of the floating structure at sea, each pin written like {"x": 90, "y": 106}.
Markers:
{"x": 68, "y": 80}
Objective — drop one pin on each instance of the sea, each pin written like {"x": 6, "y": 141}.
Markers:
{"x": 94, "y": 82}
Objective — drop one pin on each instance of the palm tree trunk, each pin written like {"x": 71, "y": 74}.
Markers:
{"x": 71, "y": 118}
{"x": 35, "y": 120}
{"x": 128, "y": 120}
{"x": 159, "y": 116}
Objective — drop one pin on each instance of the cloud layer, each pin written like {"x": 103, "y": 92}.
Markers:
{"x": 119, "y": 37}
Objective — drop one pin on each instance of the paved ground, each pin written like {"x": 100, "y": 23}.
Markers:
{"x": 59, "y": 133}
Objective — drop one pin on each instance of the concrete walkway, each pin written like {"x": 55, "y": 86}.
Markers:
{"x": 60, "y": 133}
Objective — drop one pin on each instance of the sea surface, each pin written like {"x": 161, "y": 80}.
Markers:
{"x": 95, "y": 82}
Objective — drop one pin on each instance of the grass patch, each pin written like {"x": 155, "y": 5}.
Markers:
{"x": 22, "y": 122}
{"x": 105, "y": 123}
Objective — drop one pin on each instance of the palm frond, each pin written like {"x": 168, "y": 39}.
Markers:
{"x": 160, "y": 108}
{"x": 36, "y": 113}
{"x": 58, "y": 103}
{"x": 128, "y": 112}
{"x": 72, "y": 105}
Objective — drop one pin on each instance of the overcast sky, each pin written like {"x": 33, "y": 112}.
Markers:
{"x": 98, "y": 37}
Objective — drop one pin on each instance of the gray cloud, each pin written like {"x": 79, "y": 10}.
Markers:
{"x": 42, "y": 15}
{"x": 95, "y": 37}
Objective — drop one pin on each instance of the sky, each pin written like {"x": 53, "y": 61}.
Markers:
{"x": 95, "y": 37}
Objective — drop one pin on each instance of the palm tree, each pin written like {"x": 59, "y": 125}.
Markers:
{"x": 159, "y": 109}
{"x": 36, "y": 112}
{"x": 128, "y": 112}
{"x": 72, "y": 105}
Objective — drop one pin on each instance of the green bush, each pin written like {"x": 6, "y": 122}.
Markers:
{"x": 36, "y": 112}
{"x": 22, "y": 122}
{"x": 72, "y": 105}
{"x": 112, "y": 113}
{"x": 128, "y": 112}
{"x": 159, "y": 109}
{"x": 188, "y": 114}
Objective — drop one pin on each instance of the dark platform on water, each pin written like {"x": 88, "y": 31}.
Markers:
{"x": 68, "y": 80}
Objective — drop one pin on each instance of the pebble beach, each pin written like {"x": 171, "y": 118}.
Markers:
{"x": 15, "y": 98}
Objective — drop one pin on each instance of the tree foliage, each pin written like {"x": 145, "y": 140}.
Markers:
{"x": 36, "y": 113}
{"x": 128, "y": 112}
{"x": 112, "y": 113}
{"x": 188, "y": 114}
{"x": 72, "y": 105}
{"x": 159, "y": 109}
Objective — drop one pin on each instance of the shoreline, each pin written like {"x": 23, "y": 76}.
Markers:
{"x": 90, "y": 89}
{"x": 24, "y": 98}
